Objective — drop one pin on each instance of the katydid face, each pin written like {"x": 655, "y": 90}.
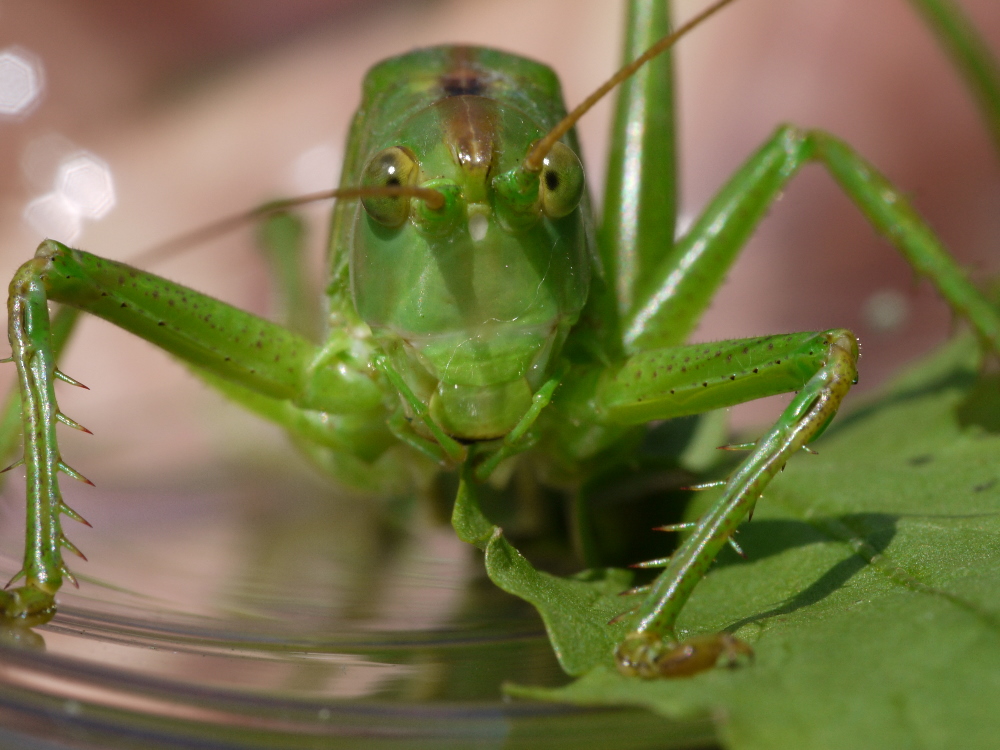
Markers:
{"x": 473, "y": 301}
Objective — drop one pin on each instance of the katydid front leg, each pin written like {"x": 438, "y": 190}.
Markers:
{"x": 689, "y": 379}
{"x": 239, "y": 350}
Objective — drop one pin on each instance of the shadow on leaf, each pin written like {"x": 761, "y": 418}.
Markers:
{"x": 981, "y": 405}
{"x": 867, "y": 534}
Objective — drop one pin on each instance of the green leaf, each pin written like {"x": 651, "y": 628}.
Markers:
{"x": 467, "y": 518}
{"x": 576, "y": 611}
{"x": 871, "y": 595}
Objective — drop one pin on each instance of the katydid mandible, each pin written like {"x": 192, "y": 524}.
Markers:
{"x": 476, "y": 317}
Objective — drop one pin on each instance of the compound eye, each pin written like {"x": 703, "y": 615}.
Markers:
{"x": 561, "y": 181}
{"x": 392, "y": 167}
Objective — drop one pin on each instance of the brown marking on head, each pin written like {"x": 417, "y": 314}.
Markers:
{"x": 470, "y": 119}
{"x": 462, "y": 78}
{"x": 470, "y": 131}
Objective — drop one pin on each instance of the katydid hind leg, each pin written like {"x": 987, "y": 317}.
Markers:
{"x": 673, "y": 300}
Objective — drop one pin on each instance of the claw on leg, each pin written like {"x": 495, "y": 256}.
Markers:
{"x": 27, "y": 606}
{"x": 649, "y": 656}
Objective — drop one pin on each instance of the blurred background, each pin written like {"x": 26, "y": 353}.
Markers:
{"x": 132, "y": 122}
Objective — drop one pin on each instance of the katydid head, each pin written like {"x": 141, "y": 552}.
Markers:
{"x": 471, "y": 300}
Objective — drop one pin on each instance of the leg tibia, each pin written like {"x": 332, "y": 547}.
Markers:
{"x": 654, "y": 638}
{"x": 30, "y": 335}
{"x": 892, "y": 215}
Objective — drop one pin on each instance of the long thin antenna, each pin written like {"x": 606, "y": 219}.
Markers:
{"x": 533, "y": 161}
{"x": 433, "y": 198}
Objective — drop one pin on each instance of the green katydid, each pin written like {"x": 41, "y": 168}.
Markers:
{"x": 506, "y": 326}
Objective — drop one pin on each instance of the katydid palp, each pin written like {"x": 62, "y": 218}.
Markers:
{"x": 624, "y": 366}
